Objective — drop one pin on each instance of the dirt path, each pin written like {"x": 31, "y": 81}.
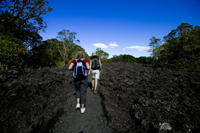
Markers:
{"x": 92, "y": 121}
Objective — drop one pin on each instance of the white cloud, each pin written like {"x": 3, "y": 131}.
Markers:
{"x": 139, "y": 48}
{"x": 100, "y": 45}
{"x": 113, "y": 44}
{"x": 104, "y": 46}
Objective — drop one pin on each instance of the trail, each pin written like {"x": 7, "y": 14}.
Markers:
{"x": 92, "y": 121}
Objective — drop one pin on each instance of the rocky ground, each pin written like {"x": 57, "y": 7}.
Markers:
{"x": 131, "y": 98}
{"x": 33, "y": 102}
{"x": 141, "y": 99}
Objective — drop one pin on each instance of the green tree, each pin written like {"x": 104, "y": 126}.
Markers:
{"x": 30, "y": 11}
{"x": 181, "y": 48}
{"x": 51, "y": 52}
{"x": 24, "y": 19}
{"x": 68, "y": 47}
{"x": 123, "y": 58}
{"x": 12, "y": 26}
{"x": 144, "y": 60}
{"x": 47, "y": 54}
{"x": 20, "y": 22}
{"x": 154, "y": 43}
{"x": 102, "y": 54}
{"x": 67, "y": 36}
{"x": 11, "y": 53}
{"x": 181, "y": 31}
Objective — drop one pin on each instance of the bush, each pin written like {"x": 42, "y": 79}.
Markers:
{"x": 11, "y": 52}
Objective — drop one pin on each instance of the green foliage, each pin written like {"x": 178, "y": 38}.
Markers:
{"x": 60, "y": 63}
{"x": 130, "y": 59}
{"x": 181, "y": 49}
{"x": 73, "y": 49}
{"x": 154, "y": 43}
{"x": 123, "y": 58}
{"x": 11, "y": 52}
{"x": 181, "y": 31}
{"x": 67, "y": 36}
{"x": 47, "y": 53}
{"x": 68, "y": 48}
{"x": 102, "y": 54}
{"x": 144, "y": 60}
{"x": 21, "y": 44}
{"x": 25, "y": 33}
{"x": 29, "y": 11}
{"x": 24, "y": 19}
{"x": 51, "y": 52}
{"x": 20, "y": 21}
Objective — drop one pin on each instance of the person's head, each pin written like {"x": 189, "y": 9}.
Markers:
{"x": 80, "y": 54}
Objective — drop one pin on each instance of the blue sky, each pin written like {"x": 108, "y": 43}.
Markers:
{"x": 119, "y": 26}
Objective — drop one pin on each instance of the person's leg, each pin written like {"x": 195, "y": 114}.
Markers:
{"x": 78, "y": 93}
{"x": 83, "y": 89}
{"x": 78, "y": 100}
{"x": 96, "y": 79}
{"x": 92, "y": 83}
{"x": 96, "y": 82}
{"x": 93, "y": 78}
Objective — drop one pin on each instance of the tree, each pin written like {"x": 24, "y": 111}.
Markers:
{"x": 55, "y": 52}
{"x": 30, "y": 11}
{"x": 102, "y": 54}
{"x": 11, "y": 53}
{"x": 68, "y": 40}
{"x": 47, "y": 54}
{"x": 123, "y": 58}
{"x": 24, "y": 19}
{"x": 181, "y": 31}
{"x": 11, "y": 26}
{"x": 154, "y": 43}
{"x": 67, "y": 36}
{"x": 181, "y": 48}
{"x": 52, "y": 51}
{"x": 144, "y": 60}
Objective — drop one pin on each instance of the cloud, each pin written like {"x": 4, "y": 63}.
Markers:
{"x": 104, "y": 46}
{"x": 139, "y": 48}
{"x": 100, "y": 45}
{"x": 113, "y": 45}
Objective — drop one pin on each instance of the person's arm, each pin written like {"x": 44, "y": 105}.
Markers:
{"x": 89, "y": 67}
{"x": 71, "y": 66}
{"x": 90, "y": 64}
{"x": 100, "y": 63}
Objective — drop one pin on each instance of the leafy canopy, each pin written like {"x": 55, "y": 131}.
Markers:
{"x": 30, "y": 11}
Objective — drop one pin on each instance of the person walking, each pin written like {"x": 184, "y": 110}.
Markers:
{"x": 80, "y": 65}
{"x": 95, "y": 67}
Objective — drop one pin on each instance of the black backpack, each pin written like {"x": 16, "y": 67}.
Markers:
{"x": 95, "y": 63}
{"x": 79, "y": 69}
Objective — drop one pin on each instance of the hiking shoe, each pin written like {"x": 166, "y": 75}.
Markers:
{"x": 83, "y": 110}
{"x": 78, "y": 105}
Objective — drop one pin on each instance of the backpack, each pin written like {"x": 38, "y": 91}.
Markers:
{"x": 79, "y": 69}
{"x": 95, "y": 63}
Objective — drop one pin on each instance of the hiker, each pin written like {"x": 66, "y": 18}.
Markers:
{"x": 80, "y": 65}
{"x": 95, "y": 67}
